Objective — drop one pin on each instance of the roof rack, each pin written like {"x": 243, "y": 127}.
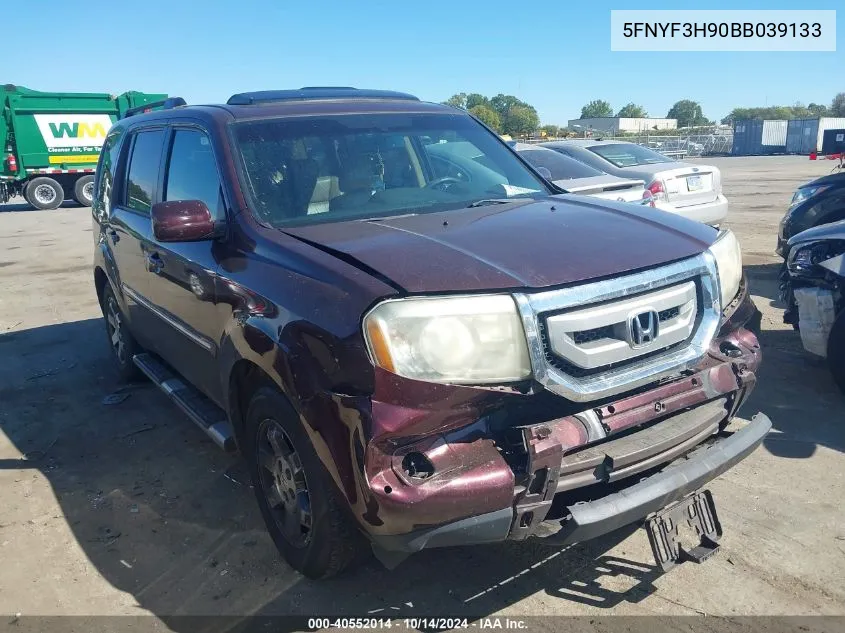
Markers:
{"x": 316, "y": 93}
{"x": 166, "y": 104}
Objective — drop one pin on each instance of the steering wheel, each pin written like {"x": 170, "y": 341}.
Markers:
{"x": 442, "y": 184}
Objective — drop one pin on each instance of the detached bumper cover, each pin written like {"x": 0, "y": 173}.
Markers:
{"x": 596, "y": 518}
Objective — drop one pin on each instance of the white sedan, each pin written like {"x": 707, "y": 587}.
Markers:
{"x": 688, "y": 189}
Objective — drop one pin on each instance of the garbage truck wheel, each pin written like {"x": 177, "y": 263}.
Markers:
{"x": 44, "y": 193}
{"x": 83, "y": 191}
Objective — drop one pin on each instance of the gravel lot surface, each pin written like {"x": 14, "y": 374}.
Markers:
{"x": 128, "y": 509}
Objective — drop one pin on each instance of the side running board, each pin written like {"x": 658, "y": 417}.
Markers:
{"x": 204, "y": 413}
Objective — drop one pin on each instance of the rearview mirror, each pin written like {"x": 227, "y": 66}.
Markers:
{"x": 544, "y": 172}
{"x": 182, "y": 221}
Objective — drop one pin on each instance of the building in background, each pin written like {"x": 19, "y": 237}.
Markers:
{"x": 613, "y": 125}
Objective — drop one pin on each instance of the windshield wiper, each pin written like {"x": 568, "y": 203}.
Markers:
{"x": 486, "y": 201}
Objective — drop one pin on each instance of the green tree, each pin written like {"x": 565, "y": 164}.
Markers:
{"x": 837, "y": 106}
{"x": 474, "y": 99}
{"x": 487, "y": 115}
{"x": 596, "y": 108}
{"x": 688, "y": 113}
{"x": 520, "y": 120}
{"x": 457, "y": 101}
{"x": 817, "y": 109}
{"x": 632, "y": 111}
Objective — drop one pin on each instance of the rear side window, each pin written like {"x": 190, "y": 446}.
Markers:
{"x": 192, "y": 171}
{"x": 142, "y": 176}
{"x": 628, "y": 154}
{"x": 561, "y": 167}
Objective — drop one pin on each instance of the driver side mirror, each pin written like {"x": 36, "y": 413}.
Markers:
{"x": 183, "y": 221}
{"x": 544, "y": 172}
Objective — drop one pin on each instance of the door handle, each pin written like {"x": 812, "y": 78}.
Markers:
{"x": 154, "y": 263}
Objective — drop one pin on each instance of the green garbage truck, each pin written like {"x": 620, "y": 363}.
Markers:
{"x": 51, "y": 141}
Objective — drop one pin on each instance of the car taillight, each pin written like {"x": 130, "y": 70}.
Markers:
{"x": 657, "y": 189}
{"x": 12, "y": 162}
{"x": 648, "y": 198}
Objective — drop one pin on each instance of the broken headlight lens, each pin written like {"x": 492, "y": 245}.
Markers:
{"x": 469, "y": 340}
{"x": 728, "y": 256}
{"x": 804, "y": 258}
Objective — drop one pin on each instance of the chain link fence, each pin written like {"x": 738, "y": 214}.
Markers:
{"x": 674, "y": 146}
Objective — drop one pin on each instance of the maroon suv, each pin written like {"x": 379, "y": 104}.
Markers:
{"x": 414, "y": 339}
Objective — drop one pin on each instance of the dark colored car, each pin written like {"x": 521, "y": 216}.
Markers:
{"x": 818, "y": 202}
{"x": 416, "y": 356}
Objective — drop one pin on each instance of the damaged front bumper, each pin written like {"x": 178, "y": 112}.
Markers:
{"x": 591, "y": 519}
{"x": 657, "y": 446}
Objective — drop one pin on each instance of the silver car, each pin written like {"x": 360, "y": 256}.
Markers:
{"x": 575, "y": 177}
{"x": 691, "y": 190}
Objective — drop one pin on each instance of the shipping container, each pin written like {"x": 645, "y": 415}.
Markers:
{"x": 801, "y": 135}
{"x": 833, "y": 142}
{"x": 828, "y": 123}
{"x": 804, "y": 136}
{"x": 774, "y": 136}
{"x": 755, "y": 137}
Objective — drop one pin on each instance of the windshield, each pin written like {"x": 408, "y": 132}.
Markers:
{"x": 333, "y": 168}
{"x": 561, "y": 167}
{"x": 628, "y": 154}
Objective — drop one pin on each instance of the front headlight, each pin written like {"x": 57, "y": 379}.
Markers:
{"x": 807, "y": 192}
{"x": 728, "y": 256}
{"x": 803, "y": 258}
{"x": 470, "y": 340}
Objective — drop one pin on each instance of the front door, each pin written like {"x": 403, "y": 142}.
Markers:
{"x": 181, "y": 277}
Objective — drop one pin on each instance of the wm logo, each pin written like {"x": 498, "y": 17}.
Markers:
{"x": 77, "y": 130}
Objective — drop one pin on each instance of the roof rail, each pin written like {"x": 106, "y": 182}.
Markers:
{"x": 167, "y": 104}
{"x": 316, "y": 93}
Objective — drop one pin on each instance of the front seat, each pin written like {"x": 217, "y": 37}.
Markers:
{"x": 356, "y": 183}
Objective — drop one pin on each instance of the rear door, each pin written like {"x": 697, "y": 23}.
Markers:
{"x": 128, "y": 232}
{"x": 181, "y": 283}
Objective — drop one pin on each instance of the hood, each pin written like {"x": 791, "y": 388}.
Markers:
{"x": 836, "y": 180}
{"x": 524, "y": 244}
{"x": 832, "y": 231}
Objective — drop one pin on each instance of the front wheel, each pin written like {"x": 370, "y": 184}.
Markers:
{"x": 301, "y": 508}
{"x": 836, "y": 351}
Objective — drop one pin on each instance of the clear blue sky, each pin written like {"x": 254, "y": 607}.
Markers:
{"x": 553, "y": 54}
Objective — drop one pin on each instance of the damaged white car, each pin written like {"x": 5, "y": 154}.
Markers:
{"x": 814, "y": 293}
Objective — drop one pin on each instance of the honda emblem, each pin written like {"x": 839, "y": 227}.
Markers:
{"x": 643, "y": 328}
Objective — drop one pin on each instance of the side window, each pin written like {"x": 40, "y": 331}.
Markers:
{"x": 192, "y": 171}
{"x": 105, "y": 173}
{"x": 142, "y": 175}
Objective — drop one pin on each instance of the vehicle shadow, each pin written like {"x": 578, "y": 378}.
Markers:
{"x": 19, "y": 207}
{"x": 163, "y": 515}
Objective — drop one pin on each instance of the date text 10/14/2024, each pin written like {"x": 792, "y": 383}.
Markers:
{"x": 427, "y": 624}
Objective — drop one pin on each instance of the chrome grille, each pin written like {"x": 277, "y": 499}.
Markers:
{"x": 581, "y": 338}
{"x": 610, "y": 342}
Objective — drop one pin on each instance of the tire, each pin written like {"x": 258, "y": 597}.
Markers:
{"x": 44, "y": 193}
{"x": 123, "y": 345}
{"x": 836, "y": 351}
{"x": 319, "y": 539}
{"x": 83, "y": 191}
